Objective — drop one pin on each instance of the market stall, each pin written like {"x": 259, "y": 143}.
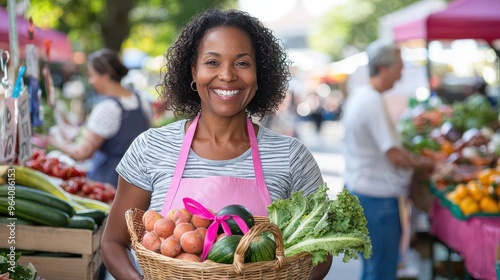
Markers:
{"x": 464, "y": 205}
{"x": 60, "y": 44}
{"x": 462, "y": 19}
{"x": 455, "y": 38}
{"x": 474, "y": 235}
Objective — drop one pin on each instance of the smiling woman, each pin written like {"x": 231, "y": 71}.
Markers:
{"x": 224, "y": 69}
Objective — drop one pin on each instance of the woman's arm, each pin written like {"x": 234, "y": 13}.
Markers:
{"x": 81, "y": 150}
{"x": 115, "y": 243}
{"x": 321, "y": 270}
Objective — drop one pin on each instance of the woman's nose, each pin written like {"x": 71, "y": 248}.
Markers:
{"x": 227, "y": 73}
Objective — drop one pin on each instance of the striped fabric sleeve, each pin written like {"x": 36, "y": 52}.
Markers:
{"x": 133, "y": 167}
{"x": 105, "y": 119}
{"x": 305, "y": 172}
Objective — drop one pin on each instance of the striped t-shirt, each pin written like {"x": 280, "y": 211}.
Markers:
{"x": 150, "y": 162}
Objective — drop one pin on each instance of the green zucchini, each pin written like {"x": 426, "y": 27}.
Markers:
{"x": 39, "y": 196}
{"x": 95, "y": 214}
{"x": 35, "y": 212}
{"x": 7, "y": 220}
{"x": 82, "y": 222}
{"x": 22, "y": 252}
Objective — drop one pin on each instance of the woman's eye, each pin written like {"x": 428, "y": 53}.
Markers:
{"x": 211, "y": 62}
{"x": 242, "y": 63}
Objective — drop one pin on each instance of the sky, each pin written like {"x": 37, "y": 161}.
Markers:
{"x": 271, "y": 10}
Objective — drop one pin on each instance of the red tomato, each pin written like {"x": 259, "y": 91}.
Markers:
{"x": 71, "y": 189}
{"x": 87, "y": 189}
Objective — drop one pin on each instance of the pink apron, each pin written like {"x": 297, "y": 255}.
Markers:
{"x": 215, "y": 192}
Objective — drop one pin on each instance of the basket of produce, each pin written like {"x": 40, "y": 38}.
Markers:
{"x": 478, "y": 197}
{"x": 158, "y": 266}
{"x": 301, "y": 231}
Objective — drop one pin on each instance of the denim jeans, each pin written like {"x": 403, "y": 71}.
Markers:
{"x": 384, "y": 229}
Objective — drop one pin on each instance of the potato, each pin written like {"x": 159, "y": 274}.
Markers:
{"x": 151, "y": 241}
{"x": 183, "y": 215}
{"x": 149, "y": 219}
{"x": 170, "y": 247}
{"x": 164, "y": 227}
{"x": 171, "y": 214}
{"x": 220, "y": 236}
{"x": 181, "y": 228}
{"x": 200, "y": 222}
{"x": 191, "y": 242}
{"x": 202, "y": 231}
{"x": 188, "y": 257}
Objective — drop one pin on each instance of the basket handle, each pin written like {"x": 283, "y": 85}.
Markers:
{"x": 256, "y": 231}
{"x": 129, "y": 218}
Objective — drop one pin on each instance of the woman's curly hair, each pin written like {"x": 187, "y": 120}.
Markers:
{"x": 273, "y": 65}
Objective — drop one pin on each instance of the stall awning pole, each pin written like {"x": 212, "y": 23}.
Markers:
{"x": 13, "y": 38}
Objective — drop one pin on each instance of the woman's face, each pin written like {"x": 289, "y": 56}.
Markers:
{"x": 95, "y": 79}
{"x": 225, "y": 72}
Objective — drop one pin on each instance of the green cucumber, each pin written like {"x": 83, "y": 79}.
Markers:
{"x": 82, "y": 222}
{"x": 7, "y": 220}
{"x": 35, "y": 195}
{"x": 95, "y": 214}
{"x": 33, "y": 211}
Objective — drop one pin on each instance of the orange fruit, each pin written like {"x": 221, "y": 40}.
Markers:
{"x": 484, "y": 175}
{"x": 469, "y": 205}
{"x": 488, "y": 205}
{"x": 475, "y": 190}
{"x": 461, "y": 191}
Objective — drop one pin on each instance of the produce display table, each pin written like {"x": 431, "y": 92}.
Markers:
{"x": 475, "y": 239}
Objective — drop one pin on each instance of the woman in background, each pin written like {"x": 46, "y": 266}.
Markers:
{"x": 113, "y": 123}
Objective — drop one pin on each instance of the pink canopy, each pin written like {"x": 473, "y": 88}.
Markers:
{"x": 60, "y": 50}
{"x": 462, "y": 19}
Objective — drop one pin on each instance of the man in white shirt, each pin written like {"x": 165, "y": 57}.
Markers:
{"x": 378, "y": 168}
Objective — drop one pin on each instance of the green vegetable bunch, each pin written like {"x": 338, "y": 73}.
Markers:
{"x": 474, "y": 112}
{"x": 320, "y": 226}
{"x": 16, "y": 272}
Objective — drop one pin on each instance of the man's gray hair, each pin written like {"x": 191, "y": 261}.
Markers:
{"x": 381, "y": 53}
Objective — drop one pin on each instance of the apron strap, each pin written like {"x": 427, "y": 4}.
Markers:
{"x": 179, "y": 168}
{"x": 257, "y": 164}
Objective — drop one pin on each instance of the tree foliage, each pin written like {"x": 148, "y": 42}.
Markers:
{"x": 149, "y": 25}
{"x": 352, "y": 25}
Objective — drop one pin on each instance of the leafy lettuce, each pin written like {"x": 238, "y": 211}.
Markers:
{"x": 320, "y": 226}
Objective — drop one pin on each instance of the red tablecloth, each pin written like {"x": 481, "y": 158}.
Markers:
{"x": 475, "y": 239}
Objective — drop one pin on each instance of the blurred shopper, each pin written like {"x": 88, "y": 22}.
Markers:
{"x": 378, "y": 169}
{"x": 113, "y": 123}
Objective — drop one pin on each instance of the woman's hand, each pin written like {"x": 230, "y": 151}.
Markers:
{"x": 320, "y": 271}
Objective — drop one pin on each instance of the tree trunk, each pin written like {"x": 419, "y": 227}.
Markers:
{"x": 116, "y": 26}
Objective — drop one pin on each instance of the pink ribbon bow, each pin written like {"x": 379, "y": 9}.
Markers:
{"x": 195, "y": 208}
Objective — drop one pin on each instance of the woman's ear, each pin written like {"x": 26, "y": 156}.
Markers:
{"x": 193, "y": 73}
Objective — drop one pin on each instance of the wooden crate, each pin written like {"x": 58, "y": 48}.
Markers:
{"x": 86, "y": 244}
{"x": 55, "y": 268}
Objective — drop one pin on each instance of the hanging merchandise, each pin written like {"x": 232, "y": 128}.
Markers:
{"x": 24, "y": 127}
{"x": 7, "y": 114}
{"x": 47, "y": 77}
{"x": 32, "y": 71}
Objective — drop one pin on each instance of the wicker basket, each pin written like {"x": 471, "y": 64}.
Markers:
{"x": 156, "y": 266}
